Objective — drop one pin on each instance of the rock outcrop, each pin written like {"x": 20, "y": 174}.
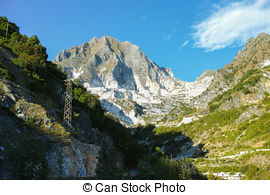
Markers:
{"x": 121, "y": 71}
{"x": 76, "y": 160}
{"x": 254, "y": 55}
{"x": 73, "y": 159}
{"x": 23, "y": 113}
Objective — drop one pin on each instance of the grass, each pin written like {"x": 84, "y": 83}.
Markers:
{"x": 36, "y": 117}
{"x": 213, "y": 120}
{"x": 256, "y": 128}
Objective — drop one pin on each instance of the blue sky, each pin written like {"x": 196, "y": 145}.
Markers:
{"x": 187, "y": 36}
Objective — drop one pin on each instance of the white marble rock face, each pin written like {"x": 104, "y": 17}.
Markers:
{"x": 120, "y": 70}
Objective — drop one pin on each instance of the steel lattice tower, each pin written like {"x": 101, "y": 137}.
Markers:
{"x": 68, "y": 103}
{"x": 7, "y": 29}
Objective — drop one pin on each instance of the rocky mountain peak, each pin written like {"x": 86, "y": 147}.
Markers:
{"x": 114, "y": 64}
{"x": 254, "y": 55}
{"x": 254, "y": 48}
{"x": 206, "y": 74}
{"x": 121, "y": 71}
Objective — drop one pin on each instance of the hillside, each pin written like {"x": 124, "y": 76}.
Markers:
{"x": 231, "y": 119}
{"x": 36, "y": 144}
{"x": 129, "y": 114}
{"x": 222, "y": 117}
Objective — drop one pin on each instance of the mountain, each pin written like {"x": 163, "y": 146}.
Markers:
{"x": 231, "y": 118}
{"x": 223, "y": 116}
{"x": 35, "y": 142}
{"x": 129, "y": 84}
{"x": 217, "y": 127}
{"x": 254, "y": 55}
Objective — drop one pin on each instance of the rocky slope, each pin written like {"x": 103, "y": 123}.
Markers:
{"x": 129, "y": 84}
{"x": 221, "y": 121}
{"x": 254, "y": 55}
{"x": 33, "y": 142}
{"x": 231, "y": 117}
{"x": 222, "y": 114}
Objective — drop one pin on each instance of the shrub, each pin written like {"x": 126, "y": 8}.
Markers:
{"x": 12, "y": 27}
{"x": 109, "y": 166}
{"x": 246, "y": 91}
{"x": 266, "y": 100}
{"x": 26, "y": 153}
{"x": 160, "y": 167}
{"x": 5, "y": 73}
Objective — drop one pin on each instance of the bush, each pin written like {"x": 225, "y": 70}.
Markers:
{"x": 120, "y": 134}
{"x": 12, "y": 27}
{"x": 248, "y": 80}
{"x": 266, "y": 100}
{"x": 160, "y": 167}
{"x": 4, "y": 73}
{"x": 246, "y": 91}
{"x": 26, "y": 152}
{"x": 259, "y": 127}
{"x": 109, "y": 166}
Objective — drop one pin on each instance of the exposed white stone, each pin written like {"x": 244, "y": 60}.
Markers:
{"x": 2, "y": 148}
{"x": 242, "y": 153}
{"x": 265, "y": 63}
{"x": 228, "y": 175}
{"x": 187, "y": 120}
{"x": 113, "y": 69}
{"x": 76, "y": 74}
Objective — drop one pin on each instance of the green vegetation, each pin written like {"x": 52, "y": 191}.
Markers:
{"x": 154, "y": 163}
{"x": 31, "y": 57}
{"x": 26, "y": 154}
{"x": 217, "y": 130}
{"x": 252, "y": 165}
{"x": 256, "y": 130}
{"x": 212, "y": 121}
{"x": 121, "y": 137}
{"x": 126, "y": 105}
{"x": 266, "y": 101}
{"x": 4, "y": 73}
{"x": 90, "y": 103}
{"x": 178, "y": 113}
{"x": 160, "y": 167}
{"x": 12, "y": 27}
{"x": 110, "y": 166}
{"x": 248, "y": 80}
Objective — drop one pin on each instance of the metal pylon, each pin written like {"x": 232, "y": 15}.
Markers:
{"x": 68, "y": 103}
{"x": 7, "y": 29}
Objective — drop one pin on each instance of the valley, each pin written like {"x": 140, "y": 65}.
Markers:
{"x": 131, "y": 114}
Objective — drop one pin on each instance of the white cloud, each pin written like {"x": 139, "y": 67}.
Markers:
{"x": 233, "y": 24}
{"x": 183, "y": 44}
